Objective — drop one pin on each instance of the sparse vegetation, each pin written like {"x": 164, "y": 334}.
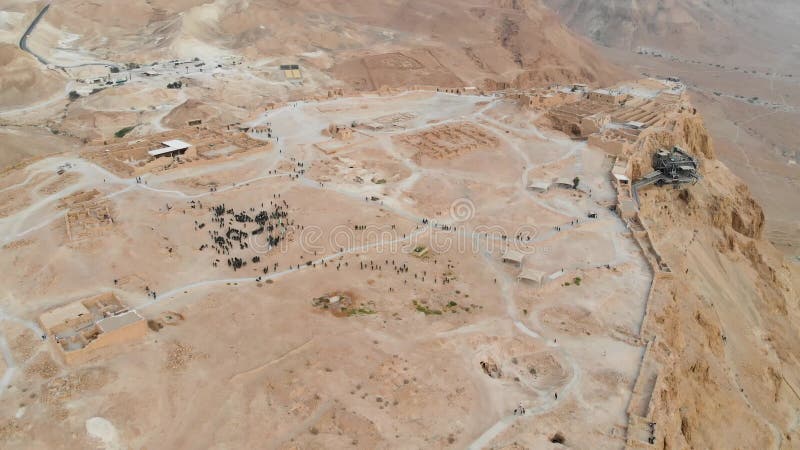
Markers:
{"x": 360, "y": 312}
{"x": 73, "y": 95}
{"x": 426, "y": 310}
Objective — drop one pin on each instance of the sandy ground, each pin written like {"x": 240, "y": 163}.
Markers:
{"x": 256, "y": 362}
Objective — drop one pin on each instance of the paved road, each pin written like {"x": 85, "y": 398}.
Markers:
{"x": 23, "y": 45}
{"x": 23, "y": 42}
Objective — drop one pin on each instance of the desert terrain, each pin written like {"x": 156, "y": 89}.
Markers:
{"x": 296, "y": 224}
{"x": 741, "y": 63}
{"x": 461, "y": 303}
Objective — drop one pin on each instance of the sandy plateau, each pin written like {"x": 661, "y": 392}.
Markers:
{"x": 359, "y": 224}
{"x": 357, "y": 378}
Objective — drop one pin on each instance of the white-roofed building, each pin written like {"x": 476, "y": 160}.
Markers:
{"x": 171, "y": 148}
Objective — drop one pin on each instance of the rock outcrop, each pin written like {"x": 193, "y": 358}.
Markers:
{"x": 726, "y": 320}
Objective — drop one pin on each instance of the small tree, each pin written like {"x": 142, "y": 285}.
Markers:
{"x": 73, "y": 95}
{"x": 575, "y": 182}
{"x": 122, "y": 132}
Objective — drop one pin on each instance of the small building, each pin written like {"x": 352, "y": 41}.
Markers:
{"x": 532, "y": 276}
{"x": 564, "y": 182}
{"x": 543, "y": 100}
{"x": 171, "y": 148}
{"x": 607, "y": 96}
{"x": 513, "y": 256}
{"x": 79, "y": 330}
{"x": 619, "y": 172}
{"x": 539, "y": 186}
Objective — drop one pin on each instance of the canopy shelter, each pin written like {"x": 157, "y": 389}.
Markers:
{"x": 171, "y": 148}
{"x": 539, "y": 186}
{"x": 532, "y": 275}
{"x": 564, "y": 182}
{"x": 513, "y": 256}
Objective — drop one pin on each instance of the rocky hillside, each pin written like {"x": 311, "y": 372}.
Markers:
{"x": 516, "y": 42}
{"x": 726, "y": 317}
{"x": 738, "y": 31}
{"x": 23, "y": 81}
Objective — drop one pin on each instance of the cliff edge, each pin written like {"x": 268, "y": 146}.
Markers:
{"x": 722, "y": 316}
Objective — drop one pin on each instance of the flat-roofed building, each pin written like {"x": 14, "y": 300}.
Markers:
{"x": 539, "y": 186}
{"x": 607, "y": 96}
{"x": 171, "y": 148}
{"x": 564, "y": 182}
{"x": 79, "y": 330}
{"x": 619, "y": 172}
{"x": 532, "y": 276}
{"x": 513, "y": 256}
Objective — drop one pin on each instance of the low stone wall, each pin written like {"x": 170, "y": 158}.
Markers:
{"x": 640, "y": 432}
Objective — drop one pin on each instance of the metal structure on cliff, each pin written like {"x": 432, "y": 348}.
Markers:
{"x": 673, "y": 167}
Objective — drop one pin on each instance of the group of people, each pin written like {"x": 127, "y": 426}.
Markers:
{"x": 272, "y": 221}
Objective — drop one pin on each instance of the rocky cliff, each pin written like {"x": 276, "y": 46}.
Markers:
{"x": 726, "y": 317}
